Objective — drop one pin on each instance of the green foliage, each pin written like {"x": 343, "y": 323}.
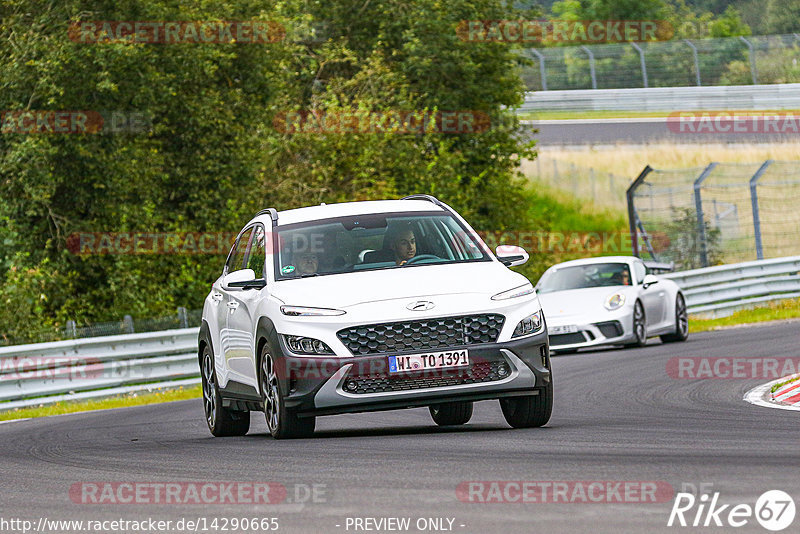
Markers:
{"x": 212, "y": 156}
{"x": 685, "y": 244}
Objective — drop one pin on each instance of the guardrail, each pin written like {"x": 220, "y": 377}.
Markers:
{"x": 720, "y": 290}
{"x": 733, "y": 97}
{"x": 45, "y": 373}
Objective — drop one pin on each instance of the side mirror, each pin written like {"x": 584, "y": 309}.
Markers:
{"x": 243, "y": 278}
{"x": 649, "y": 280}
{"x": 511, "y": 255}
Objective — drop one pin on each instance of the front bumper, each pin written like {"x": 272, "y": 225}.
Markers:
{"x": 319, "y": 386}
{"x": 613, "y": 329}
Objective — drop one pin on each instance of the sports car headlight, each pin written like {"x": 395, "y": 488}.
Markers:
{"x": 529, "y": 325}
{"x": 615, "y": 301}
{"x": 520, "y": 291}
{"x": 298, "y": 311}
{"x": 306, "y": 345}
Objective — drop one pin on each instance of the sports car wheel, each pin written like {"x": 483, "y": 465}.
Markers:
{"x": 282, "y": 423}
{"x": 639, "y": 326}
{"x": 221, "y": 421}
{"x": 681, "y": 322}
{"x": 451, "y": 413}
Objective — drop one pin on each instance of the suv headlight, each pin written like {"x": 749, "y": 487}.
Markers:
{"x": 303, "y": 311}
{"x": 520, "y": 291}
{"x": 615, "y": 301}
{"x": 529, "y": 325}
{"x": 306, "y": 345}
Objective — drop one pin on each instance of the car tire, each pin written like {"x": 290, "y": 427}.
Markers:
{"x": 639, "y": 326}
{"x": 221, "y": 421}
{"x": 451, "y": 413}
{"x": 681, "y": 322}
{"x": 529, "y": 411}
{"x": 281, "y": 422}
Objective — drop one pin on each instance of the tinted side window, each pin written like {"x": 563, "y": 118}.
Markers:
{"x": 640, "y": 270}
{"x": 236, "y": 258}
{"x": 257, "y": 253}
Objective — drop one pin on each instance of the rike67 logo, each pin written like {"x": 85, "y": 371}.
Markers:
{"x": 774, "y": 510}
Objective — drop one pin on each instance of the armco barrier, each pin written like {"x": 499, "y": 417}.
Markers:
{"x": 44, "y": 373}
{"x": 723, "y": 289}
{"x": 732, "y": 97}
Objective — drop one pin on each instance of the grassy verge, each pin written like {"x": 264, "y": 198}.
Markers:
{"x": 619, "y": 114}
{"x": 786, "y": 309}
{"x": 131, "y": 399}
{"x": 779, "y": 385}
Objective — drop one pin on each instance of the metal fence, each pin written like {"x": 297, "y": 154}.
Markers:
{"x": 45, "y": 373}
{"x": 722, "y": 289}
{"x": 737, "y": 97}
{"x": 723, "y": 213}
{"x": 677, "y": 63}
{"x": 182, "y": 318}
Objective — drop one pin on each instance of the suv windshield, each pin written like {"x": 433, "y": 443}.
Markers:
{"x": 369, "y": 242}
{"x": 581, "y": 276}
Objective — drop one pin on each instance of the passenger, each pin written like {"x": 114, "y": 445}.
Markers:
{"x": 307, "y": 263}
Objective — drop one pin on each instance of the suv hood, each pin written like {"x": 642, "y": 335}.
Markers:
{"x": 351, "y": 289}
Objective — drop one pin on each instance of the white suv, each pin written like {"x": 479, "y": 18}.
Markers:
{"x": 367, "y": 306}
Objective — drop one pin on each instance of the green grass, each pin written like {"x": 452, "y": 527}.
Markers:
{"x": 130, "y": 399}
{"x": 779, "y": 385}
{"x": 776, "y": 311}
{"x": 610, "y": 114}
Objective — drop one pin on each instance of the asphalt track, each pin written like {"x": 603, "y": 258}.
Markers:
{"x": 618, "y": 416}
{"x": 642, "y": 131}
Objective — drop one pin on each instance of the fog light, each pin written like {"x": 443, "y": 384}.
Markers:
{"x": 502, "y": 371}
{"x": 351, "y": 385}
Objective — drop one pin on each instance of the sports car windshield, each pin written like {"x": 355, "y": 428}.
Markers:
{"x": 581, "y": 276}
{"x": 370, "y": 242}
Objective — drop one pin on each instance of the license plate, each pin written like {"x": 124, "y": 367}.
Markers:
{"x": 568, "y": 329}
{"x": 430, "y": 360}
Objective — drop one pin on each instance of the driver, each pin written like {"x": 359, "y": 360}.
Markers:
{"x": 307, "y": 263}
{"x": 622, "y": 278}
{"x": 404, "y": 246}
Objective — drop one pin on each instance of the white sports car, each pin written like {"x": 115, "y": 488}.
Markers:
{"x": 610, "y": 301}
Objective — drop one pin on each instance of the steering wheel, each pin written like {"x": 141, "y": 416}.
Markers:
{"x": 421, "y": 257}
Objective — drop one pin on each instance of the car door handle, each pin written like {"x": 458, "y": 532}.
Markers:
{"x": 216, "y": 297}
{"x": 233, "y": 305}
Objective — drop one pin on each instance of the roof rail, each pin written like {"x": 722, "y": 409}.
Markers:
{"x": 429, "y": 198}
{"x": 273, "y": 214}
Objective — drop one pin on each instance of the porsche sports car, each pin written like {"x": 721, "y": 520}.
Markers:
{"x": 610, "y": 300}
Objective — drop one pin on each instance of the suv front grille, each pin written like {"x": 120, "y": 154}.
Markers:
{"x": 381, "y": 382}
{"x": 426, "y": 334}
